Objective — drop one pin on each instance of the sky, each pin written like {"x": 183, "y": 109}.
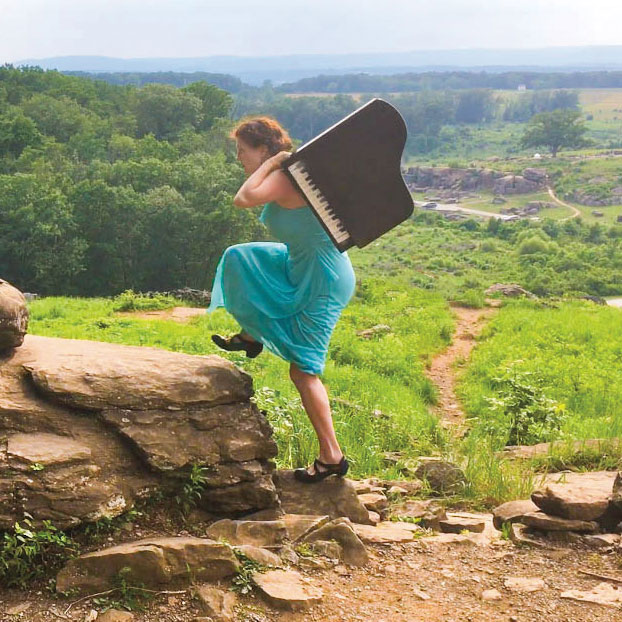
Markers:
{"x": 193, "y": 28}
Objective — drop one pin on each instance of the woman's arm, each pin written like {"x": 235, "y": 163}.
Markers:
{"x": 266, "y": 184}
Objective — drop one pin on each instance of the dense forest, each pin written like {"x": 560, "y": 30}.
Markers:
{"x": 436, "y": 80}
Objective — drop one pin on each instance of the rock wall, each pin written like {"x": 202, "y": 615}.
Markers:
{"x": 86, "y": 428}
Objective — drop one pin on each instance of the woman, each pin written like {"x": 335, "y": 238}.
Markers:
{"x": 286, "y": 296}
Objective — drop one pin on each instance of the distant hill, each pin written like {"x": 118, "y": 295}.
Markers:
{"x": 279, "y": 69}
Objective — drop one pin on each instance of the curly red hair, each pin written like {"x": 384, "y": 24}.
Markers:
{"x": 258, "y": 131}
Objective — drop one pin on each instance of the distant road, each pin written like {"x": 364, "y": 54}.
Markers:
{"x": 455, "y": 207}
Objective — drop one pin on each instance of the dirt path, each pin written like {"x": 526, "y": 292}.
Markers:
{"x": 469, "y": 325}
{"x": 575, "y": 211}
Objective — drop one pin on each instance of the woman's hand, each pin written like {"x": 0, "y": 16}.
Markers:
{"x": 279, "y": 158}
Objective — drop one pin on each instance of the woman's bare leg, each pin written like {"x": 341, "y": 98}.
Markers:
{"x": 316, "y": 404}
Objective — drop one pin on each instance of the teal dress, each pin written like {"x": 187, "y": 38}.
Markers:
{"x": 289, "y": 294}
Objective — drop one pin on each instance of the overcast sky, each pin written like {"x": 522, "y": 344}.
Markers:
{"x": 190, "y": 28}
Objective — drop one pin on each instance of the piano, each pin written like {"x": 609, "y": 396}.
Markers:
{"x": 351, "y": 177}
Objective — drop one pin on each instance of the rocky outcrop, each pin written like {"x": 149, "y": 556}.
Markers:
{"x": 13, "y": 317}
{"x": 86, "y": 428}
{"x": 470, "y": 179}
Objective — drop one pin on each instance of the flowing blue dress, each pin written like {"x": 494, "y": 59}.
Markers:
{"x": 288, "y": 294}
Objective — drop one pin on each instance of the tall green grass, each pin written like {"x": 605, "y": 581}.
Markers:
{"x": 381, "y": 395}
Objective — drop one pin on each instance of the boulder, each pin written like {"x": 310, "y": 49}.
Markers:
{"x": 545, "y": 522}
{"x": 442, "y": 476}
{"x": 515, "y": 184}
{"x": 511, "y": 290}
{"x": 512, "y": 511}
{"x": 13, "y": 317}
{"x": 287, "y": 589}
{"x": 374, "y": 501}
{"x": 89, "y": 427}
{"x": 341, "y": 531}
{"x": 585, "y": 499}
{"x": 616, "y": 493}
{"x": 537, "y": 175}
{"x": 154, "y": 562}
{"x": 333, "y": 496}
{"x": 267, "y": 534}
{"x": 259, "y": 555}
{"x": 217, "y": 604}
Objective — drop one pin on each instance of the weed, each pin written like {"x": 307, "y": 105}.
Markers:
{"x": 29, "y": 553}
{"x": 243, "y": 581}
{"x": 128, "y": 594}
{"x": 192, "y": 489}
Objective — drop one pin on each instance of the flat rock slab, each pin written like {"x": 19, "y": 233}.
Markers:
{"x": 524, "y": 584}
{"x": 97, "y": 375}
{"x": 299, "y": 525}
{"x": 601, "y": 594}
{"x": 512, "y": 512}
{"x": 217, "y": 604}
{"x": 333, "y": 496}
{"x": 577, "y": 498}
{"x": 46, "y": 449}
{"x": 383, "y": 533}
{"x": 453, "y": 524}
{"x": 545, "y": 522}
{"x": 374, "y": 501}
{"x": 287, "y": 589}
{"x": 115, "y": 615}
{"x": 154, "y": 562}
{"x": 267, "y": 534}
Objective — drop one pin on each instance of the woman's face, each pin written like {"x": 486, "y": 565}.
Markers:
{"x": 251, "y": 158}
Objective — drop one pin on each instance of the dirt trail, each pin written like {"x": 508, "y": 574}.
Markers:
{"x": 575, "y": 211}
{"x": 441, "y": 372}
{"x": 177, "y": 314}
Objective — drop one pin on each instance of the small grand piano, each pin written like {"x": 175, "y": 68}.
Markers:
{"x": 350, "y": 175}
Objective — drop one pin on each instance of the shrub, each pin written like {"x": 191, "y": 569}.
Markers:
{"x": 533, "y": 245}
{"x": 132, "y": 301}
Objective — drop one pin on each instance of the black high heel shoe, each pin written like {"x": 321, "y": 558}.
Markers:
{"x": 237, "y": 342}
{"x": 339, "y": 469}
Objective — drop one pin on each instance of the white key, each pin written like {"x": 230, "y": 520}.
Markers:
{"x": 319, "y": 202}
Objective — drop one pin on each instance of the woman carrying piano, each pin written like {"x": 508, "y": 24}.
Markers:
{"x": 287, "y": 296}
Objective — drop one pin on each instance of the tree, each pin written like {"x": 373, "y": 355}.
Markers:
{"x": 556, "y": 130}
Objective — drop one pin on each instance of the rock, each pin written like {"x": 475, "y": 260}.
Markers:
{"x": 397, "y": 491}
{"x": 443, "y": 477}
{"x": 287, "y": 589}
{"x": 420, "y": 594}
{"x": 538, "y": 175}
{"x": 18, "y": 609}
{"x": 383, "y": 533}
{"x": 341, "y": 531}
{"x": 374, "y": 518}
{"x": 13, "y": 316}
{"x": 586, "y": 499}
{"x": 217, "y": 604}
{"x": 115, "y": 615}
{"x": 512, "y": 512}
{"x": 601, "y": 540}
{"x": 428, "y": 512}
{"x": 361, "y": 486}
{"x": 86, "y": 434}
{"x": 328, "y": 548}
{"x": 259, "y": 555}
{"x": 376, "y": 502}
{"x": 267, "y": 534}
{"x": 333, "y": 496}
{"x": 378, "y": 329}
{"x": 510, "y": 289}
{"x": 524, "y": 584}
{"x": 454, "y": 524}
{"x": 601, "y": 594}
{"x": 515, "y": 184}
{"x": 154, "y": 562}
{"x": 545, "y": 522}
{"x": 411, "y": 486}
{"x": 299, "y": 525}
{"x": 450, "y": 539}
{"x": 491, "y": 595}
{"x": 520, "y": 534}
{"x": 499, "y": 201}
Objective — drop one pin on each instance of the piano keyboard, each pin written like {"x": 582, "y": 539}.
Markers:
{"x": 320, "y": 204}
